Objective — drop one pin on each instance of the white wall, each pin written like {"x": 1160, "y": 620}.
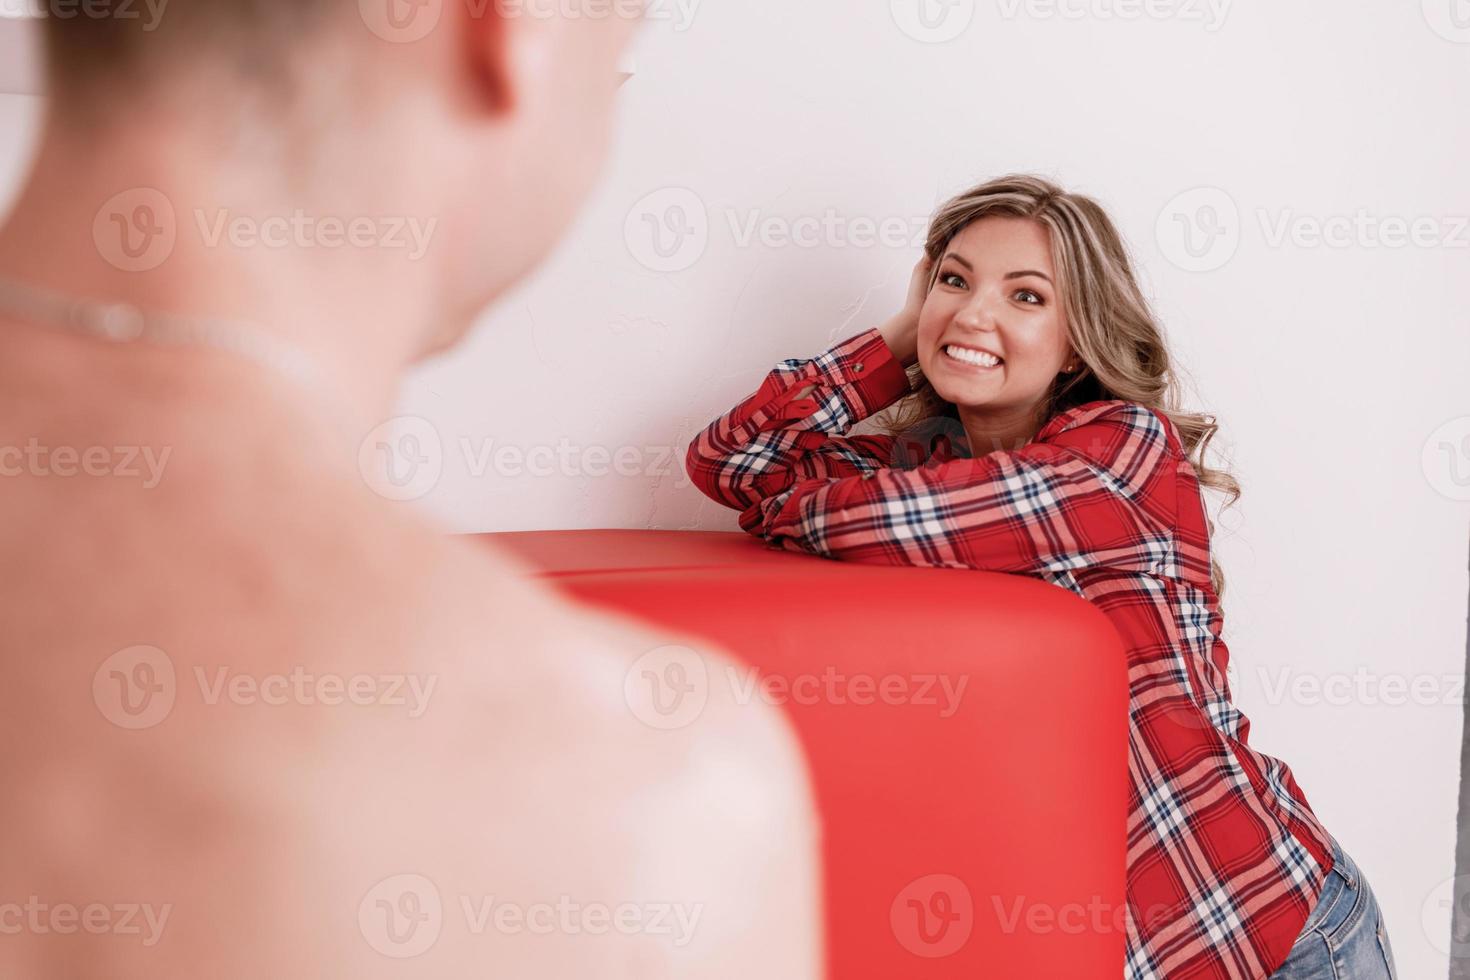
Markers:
{"x": 1333, "y": 370}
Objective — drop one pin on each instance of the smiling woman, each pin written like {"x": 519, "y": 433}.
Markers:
{"x": 1029, "y": 339}
{"x": 1094, "y": 339}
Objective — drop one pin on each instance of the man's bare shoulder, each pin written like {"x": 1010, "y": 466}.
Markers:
{"x": 547, "y": 768}
{"x": 640, "y": 774}
{"x": 427, "y": 728}
{"x": 532, "y": 690}
{"x": 663, "y": 691}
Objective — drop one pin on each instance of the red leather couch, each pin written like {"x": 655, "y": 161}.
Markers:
{"x": 971, "y": 832}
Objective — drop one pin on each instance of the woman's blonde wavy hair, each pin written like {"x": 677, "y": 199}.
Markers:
{"x": 1119, "y": 343}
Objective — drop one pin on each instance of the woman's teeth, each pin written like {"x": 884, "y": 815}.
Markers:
{"x": 967, "y": 356}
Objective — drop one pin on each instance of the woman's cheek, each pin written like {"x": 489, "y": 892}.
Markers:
{"x": 924, "y": 338}
{"x": 929, "y": 319}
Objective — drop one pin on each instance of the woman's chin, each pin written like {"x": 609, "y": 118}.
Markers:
{"x": 969, "y": 393}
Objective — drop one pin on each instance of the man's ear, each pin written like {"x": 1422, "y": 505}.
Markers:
{"x": 488, "y": 39}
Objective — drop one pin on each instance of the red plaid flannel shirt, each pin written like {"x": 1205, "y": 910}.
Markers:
{"x": 1225, "y": 857}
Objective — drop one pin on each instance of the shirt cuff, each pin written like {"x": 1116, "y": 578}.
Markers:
{"x": 865, "y": 365}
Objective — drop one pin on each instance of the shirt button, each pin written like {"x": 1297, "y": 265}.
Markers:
{"x": 857, "y": 368}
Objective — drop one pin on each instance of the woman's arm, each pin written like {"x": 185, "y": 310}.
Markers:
{"x": 792, "y": 428}
{"x": 1097, "y": 493}
{"x": 1097, "y": 490}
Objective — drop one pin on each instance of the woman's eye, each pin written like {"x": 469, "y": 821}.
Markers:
{"x": 1023, "y": 293}
{"x": 952, "y": 279}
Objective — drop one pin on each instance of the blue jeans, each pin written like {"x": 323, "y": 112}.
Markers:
{"x": 1344, "y": 937}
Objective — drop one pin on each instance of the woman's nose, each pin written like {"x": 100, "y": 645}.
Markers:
{"x": 979, "y": 314}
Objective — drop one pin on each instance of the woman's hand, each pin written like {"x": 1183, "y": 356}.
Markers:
{"x": 901, "y": 330}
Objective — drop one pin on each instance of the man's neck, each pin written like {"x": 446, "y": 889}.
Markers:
{"x": 356, "y": 312}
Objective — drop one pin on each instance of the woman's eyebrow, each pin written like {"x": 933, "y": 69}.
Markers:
{"x": 1009, "y": 275}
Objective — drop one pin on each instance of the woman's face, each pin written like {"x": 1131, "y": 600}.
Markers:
{"x": 996, "y": 291}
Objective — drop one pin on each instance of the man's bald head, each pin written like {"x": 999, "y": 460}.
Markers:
{"x": 101, "y": 51}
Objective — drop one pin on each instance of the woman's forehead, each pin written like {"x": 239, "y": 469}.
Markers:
{"x": 1001, "y": 245}
{"x": 996, "y": 237}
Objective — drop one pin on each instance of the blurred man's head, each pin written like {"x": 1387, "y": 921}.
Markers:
{"x": 491, "y": 117}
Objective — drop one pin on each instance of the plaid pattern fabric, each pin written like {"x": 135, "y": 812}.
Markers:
{"x": 1225, "y": 857}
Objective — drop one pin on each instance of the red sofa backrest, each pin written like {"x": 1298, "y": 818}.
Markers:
{"x": 966, "y": 734}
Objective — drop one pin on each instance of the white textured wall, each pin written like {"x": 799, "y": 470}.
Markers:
{"x": 1337, "y": 370}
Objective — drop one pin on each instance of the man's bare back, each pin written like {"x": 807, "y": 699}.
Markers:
{"x": 262, "y": 722}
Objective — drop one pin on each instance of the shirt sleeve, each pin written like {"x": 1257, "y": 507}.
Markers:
{"x": 774, "y": 438}
{"x": 1096, "y": 493}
